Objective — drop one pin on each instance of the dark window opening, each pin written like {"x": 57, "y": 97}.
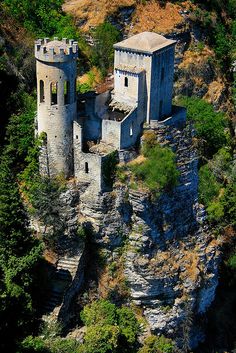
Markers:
{"x": 162, "y": 74}
{"x": 55, "y": 136}
{"x": 160, "y": 107}
{"x": 67, "y": 92}
{"x": 76, "y": 137}
{"x": 131, "y": 130}
{"x": 41, "y": 88}
{"x": 54, "y": 93}
{"x": 86, "y": 168}
{"x": 126, "y": 81}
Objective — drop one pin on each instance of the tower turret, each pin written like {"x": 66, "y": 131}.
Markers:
{"x": 56, "y": 102}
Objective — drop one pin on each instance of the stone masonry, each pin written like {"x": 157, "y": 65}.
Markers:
{"x": 79, "y": 141}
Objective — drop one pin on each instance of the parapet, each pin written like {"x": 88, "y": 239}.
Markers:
{"x": 56, "y": 50}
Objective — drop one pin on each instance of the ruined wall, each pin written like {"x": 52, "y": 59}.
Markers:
{"x": 122, "y": 134}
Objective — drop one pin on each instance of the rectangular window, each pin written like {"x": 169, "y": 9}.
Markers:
{"x": 126, "y": 82}
{"x": 54, "y": 92}
{"x": 86, "y": 167}
{"x": 66, "y": 92}
{"x": 41, "y": 91}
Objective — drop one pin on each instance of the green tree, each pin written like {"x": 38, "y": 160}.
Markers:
{"x": 210, "y": 126}
{"x": 20, "y": 254}
{"x": 104, "y": 36}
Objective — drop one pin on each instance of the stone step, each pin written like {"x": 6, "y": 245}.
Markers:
{"x": 69, "y": 260}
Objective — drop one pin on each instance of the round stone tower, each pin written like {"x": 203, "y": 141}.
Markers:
{"x": 56, "y": 98}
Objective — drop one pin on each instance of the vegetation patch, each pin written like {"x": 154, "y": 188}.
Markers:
{"x": 156, "y": 169}
{"x": 210, "y": 125}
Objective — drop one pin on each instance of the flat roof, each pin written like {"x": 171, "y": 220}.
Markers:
{"x": 147, "y": 42}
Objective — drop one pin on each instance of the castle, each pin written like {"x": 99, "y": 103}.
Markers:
{"x": 81, "y": 131}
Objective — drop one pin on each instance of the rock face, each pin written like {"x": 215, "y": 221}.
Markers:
{"x": 170, "y": 258}
{"x": 161, "y": 246}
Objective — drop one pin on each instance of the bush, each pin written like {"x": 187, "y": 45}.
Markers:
{"x": 100, "y": 312}
{"x": 154, "y": 344}
{"x": 210, "y": 126}
{"x": 158, "y": 171}
{"x": 110, "y": 329}
{"x": 209, "y": 187}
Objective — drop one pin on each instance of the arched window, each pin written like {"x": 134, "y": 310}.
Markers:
{"x": 131, "y": 130}
{"x": 126, "y": 82}
{"x": 86, "y": 168}
{"x": 54, "y": 89}
{"x": 41, "y": 91}
{"x": 162, "y": 74}
{"x": 66, "y": 92}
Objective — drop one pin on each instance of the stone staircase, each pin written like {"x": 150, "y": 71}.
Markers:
{"x": 61, "y": 280}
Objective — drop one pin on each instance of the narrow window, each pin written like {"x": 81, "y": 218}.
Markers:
{"x": 86, "y": 168}
{"x": 54, "y": 93}
{"x": 131, "y": 130}
{"x": 76, "y": 137}
{"x": 126, "y": 81}
{"x": 67, "y": 92}
{"x": 41, "y": 89}
{"x": 160, "y": 107}
{"x": 162, "y": 74}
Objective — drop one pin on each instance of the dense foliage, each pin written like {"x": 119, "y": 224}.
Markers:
{"x": 104, "y": 36}
{"x": 157, "y": 170}
{"x": 20, "y": 255}
{"x": 110, "y": 329}
{"x": 42, "y": 17}
{"x": 210, "y": 125}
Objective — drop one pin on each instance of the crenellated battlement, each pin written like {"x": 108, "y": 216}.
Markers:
{"x": 56, "y": 50}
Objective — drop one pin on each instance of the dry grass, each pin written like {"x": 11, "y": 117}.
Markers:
{"x": 194, "y": 57}
{"x": 215, "y": 90}
{"x": 92, "y": 79}
{"x": 153, "y": 17}
{"x": 139, "y": 160}
{"x": 94, "y": 12}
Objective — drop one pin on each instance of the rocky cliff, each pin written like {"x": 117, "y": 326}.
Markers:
{"x": 159, "y": 253}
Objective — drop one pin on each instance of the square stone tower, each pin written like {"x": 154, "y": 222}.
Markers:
{"x": 154, "y": 54}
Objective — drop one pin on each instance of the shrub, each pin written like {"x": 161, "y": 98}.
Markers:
{"x": 154, "y": 344}
{"x": 158, "y": 171}
{"x": 209, "y": 187}
{"x": 210, "y": 126}
{"x": 100, "y": 312}
{"x": 110, "y": 329}
{"x": 128, "y": 324}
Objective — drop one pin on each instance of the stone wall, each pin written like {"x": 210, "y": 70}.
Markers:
{"x": 159, "y": 70}
{"x": 123, "y": 134}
